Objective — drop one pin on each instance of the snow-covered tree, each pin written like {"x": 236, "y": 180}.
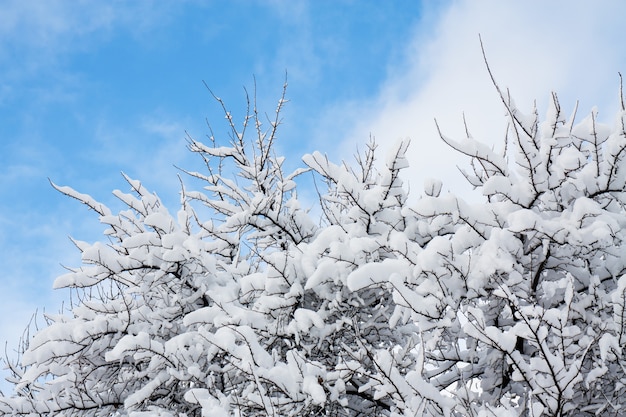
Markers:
{"x": 245, "y": 303}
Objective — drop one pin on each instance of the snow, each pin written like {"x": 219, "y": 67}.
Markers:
{"x": 311, "y": 386}
{"x": 85, "y": 199}
{"x": 497, "y": 185}
{"x": 375, "y": 273}
{"x": 432, "y": 187}
{"x": 160, "y": 221}
{"x": 129, "y": 344}
{"x": 305, "y": 319}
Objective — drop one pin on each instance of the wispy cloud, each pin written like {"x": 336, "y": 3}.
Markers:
{"x": 37, "y": 24}
{"x": 65, "y": 24}
{"x": 38, "y": 37}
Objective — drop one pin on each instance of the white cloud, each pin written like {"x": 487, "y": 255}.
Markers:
{"x": 533, "y": 48}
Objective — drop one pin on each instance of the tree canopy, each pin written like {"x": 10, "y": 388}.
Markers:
{"x": 245, "y": 302}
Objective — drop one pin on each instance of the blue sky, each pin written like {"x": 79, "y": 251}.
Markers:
{"x": 90, "y": 89}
